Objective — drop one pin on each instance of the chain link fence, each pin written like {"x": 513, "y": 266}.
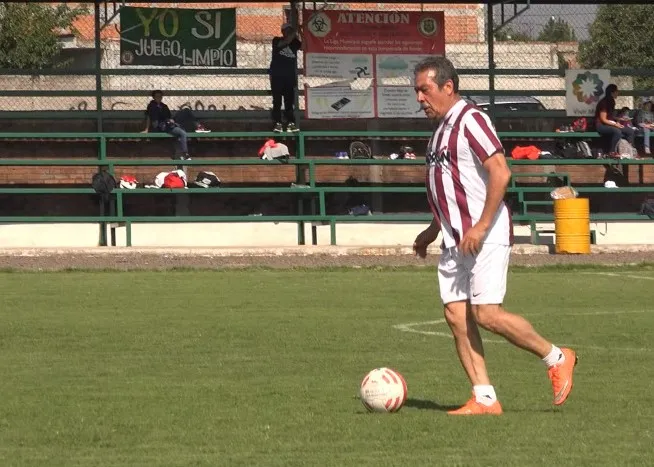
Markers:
{"x": 542, "y": 37}
{"x": 556, "y": 37}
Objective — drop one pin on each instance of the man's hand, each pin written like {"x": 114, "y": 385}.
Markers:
{"x": 473, "y": 240}
{"x": 424, "y": 239}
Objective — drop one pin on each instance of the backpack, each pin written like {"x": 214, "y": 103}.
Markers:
{"x": 174, "y": 180}
{"x": 361, "y": 210}
{"x": 566, "y": 150}
{"x": 359, "y": 150}
{"x": 272, "y": 150}
{"x": 647, "y": 208}
{"x": 206, "y": 179}
{"x": 583, "y": 150}
{"x": 128, "y": 182}
{"x": 103, "y": 183}
{"x": 626, "y": 149}
{"x": 580, "y": 124}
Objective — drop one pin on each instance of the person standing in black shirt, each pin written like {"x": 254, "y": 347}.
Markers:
{"x": 283, "y": 77}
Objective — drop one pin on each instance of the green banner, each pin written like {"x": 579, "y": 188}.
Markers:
{"x": 178, "y": 37}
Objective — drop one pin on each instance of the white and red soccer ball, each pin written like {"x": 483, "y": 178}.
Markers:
{"x": 383, "y": 390}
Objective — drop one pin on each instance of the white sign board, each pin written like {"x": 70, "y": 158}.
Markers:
{"x": 332, "y": 102}
{"x": 340, "y": 66}
{"x": 396, "y": 66}
{"x": 583, "y": 90}
{"x": 398, "y": 102}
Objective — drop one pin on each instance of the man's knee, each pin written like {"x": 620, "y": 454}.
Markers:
{"x": 486, "y": 316}
{"x": 455, "y": 316}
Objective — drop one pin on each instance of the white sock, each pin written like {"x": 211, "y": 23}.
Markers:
{"x": 484, "y": 394}
{"x": 555, "y": 357}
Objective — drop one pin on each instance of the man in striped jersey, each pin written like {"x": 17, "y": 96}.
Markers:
{"x": 466, "y": 180}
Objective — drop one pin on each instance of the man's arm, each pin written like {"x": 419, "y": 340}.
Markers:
{"x": 499, "y": 176}
{"x": 148, "y": 119}
{"x": 280, "y": 43}
{"x": 434, "y": 227}
{"x": 426, "y": 238}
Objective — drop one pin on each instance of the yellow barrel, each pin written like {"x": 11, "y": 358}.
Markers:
{"x": 572, "y": 225}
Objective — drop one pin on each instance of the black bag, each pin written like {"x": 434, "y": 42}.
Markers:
{"x": 567, "y": 150}
{"x": 103, "y": 183}
{"x": 647, "y": 208}
{"x": 206, "y": 179}
{"x": 359, "y": 150}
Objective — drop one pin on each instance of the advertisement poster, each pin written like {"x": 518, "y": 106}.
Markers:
{"x": 398, "y": 102}
{"x": 178, "y": 37}
{"x": 583, "y": 90}
{"x": 332, "y": 102}
{"x": 343, "y": 33}
{"x": 363, "y": 44}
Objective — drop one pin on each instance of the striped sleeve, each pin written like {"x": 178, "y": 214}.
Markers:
{"x": 481, "y": 136}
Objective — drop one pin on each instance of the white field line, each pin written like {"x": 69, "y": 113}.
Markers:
{"x": 616, "y": 274}
{"x": 411, "y": 327}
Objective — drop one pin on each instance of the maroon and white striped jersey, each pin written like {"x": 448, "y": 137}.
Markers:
{"x": 456, "y": 179}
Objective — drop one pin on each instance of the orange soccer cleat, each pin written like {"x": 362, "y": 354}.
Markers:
{"x": 561, "y": 376}
{"x": 472, "y": 407}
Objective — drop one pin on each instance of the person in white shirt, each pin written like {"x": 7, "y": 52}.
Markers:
{"x": 467, "y": 176}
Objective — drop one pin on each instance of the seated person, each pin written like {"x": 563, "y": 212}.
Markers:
{"x": 605, "y": 120}
{"x": 645, "y": 121}
{"x": 159, "y": 118}
{"x": 624, "y": 116}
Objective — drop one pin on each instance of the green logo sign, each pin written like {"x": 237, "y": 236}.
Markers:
{"x": 178, "y": 37}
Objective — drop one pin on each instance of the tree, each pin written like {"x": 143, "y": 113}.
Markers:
{"x": 557, "y": 30}
{"x": 621, "y": 37}
{"x": 507, "y": 33}
{"x": 28, "y": 33}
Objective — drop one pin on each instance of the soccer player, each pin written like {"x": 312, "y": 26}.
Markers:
{"x": 467, "y": 176}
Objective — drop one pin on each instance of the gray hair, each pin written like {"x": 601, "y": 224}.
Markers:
{"x": 443, "y": 69}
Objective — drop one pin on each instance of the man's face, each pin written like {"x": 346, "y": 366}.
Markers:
{"x": 435, "y": 101}
{"x": 288, "y": 32}
{"x": 158, "y": 97}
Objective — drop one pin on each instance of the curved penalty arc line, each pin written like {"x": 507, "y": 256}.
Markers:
{"x": 411, "y": 328}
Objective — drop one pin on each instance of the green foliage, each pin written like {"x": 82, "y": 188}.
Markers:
{"x": 507, "y": 33}
{"x": 621, "y": 37}
{"x": 28, "y": 33}
{"x": 557, "y": 30}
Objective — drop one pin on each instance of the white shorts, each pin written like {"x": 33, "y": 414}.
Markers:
{"x": 480, "y": 279}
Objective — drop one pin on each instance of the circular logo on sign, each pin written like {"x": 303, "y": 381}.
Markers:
{"x": 320, "y": 25}
{"x": 427, "y": 26}
{"x": 128, "y": 57}
{"x": 588, "y": 87}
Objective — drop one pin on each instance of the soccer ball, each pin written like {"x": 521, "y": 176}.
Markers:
{"x": 383, "y": 390}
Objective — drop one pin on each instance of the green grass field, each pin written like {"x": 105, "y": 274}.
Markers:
{"x": 262, "y": 367}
